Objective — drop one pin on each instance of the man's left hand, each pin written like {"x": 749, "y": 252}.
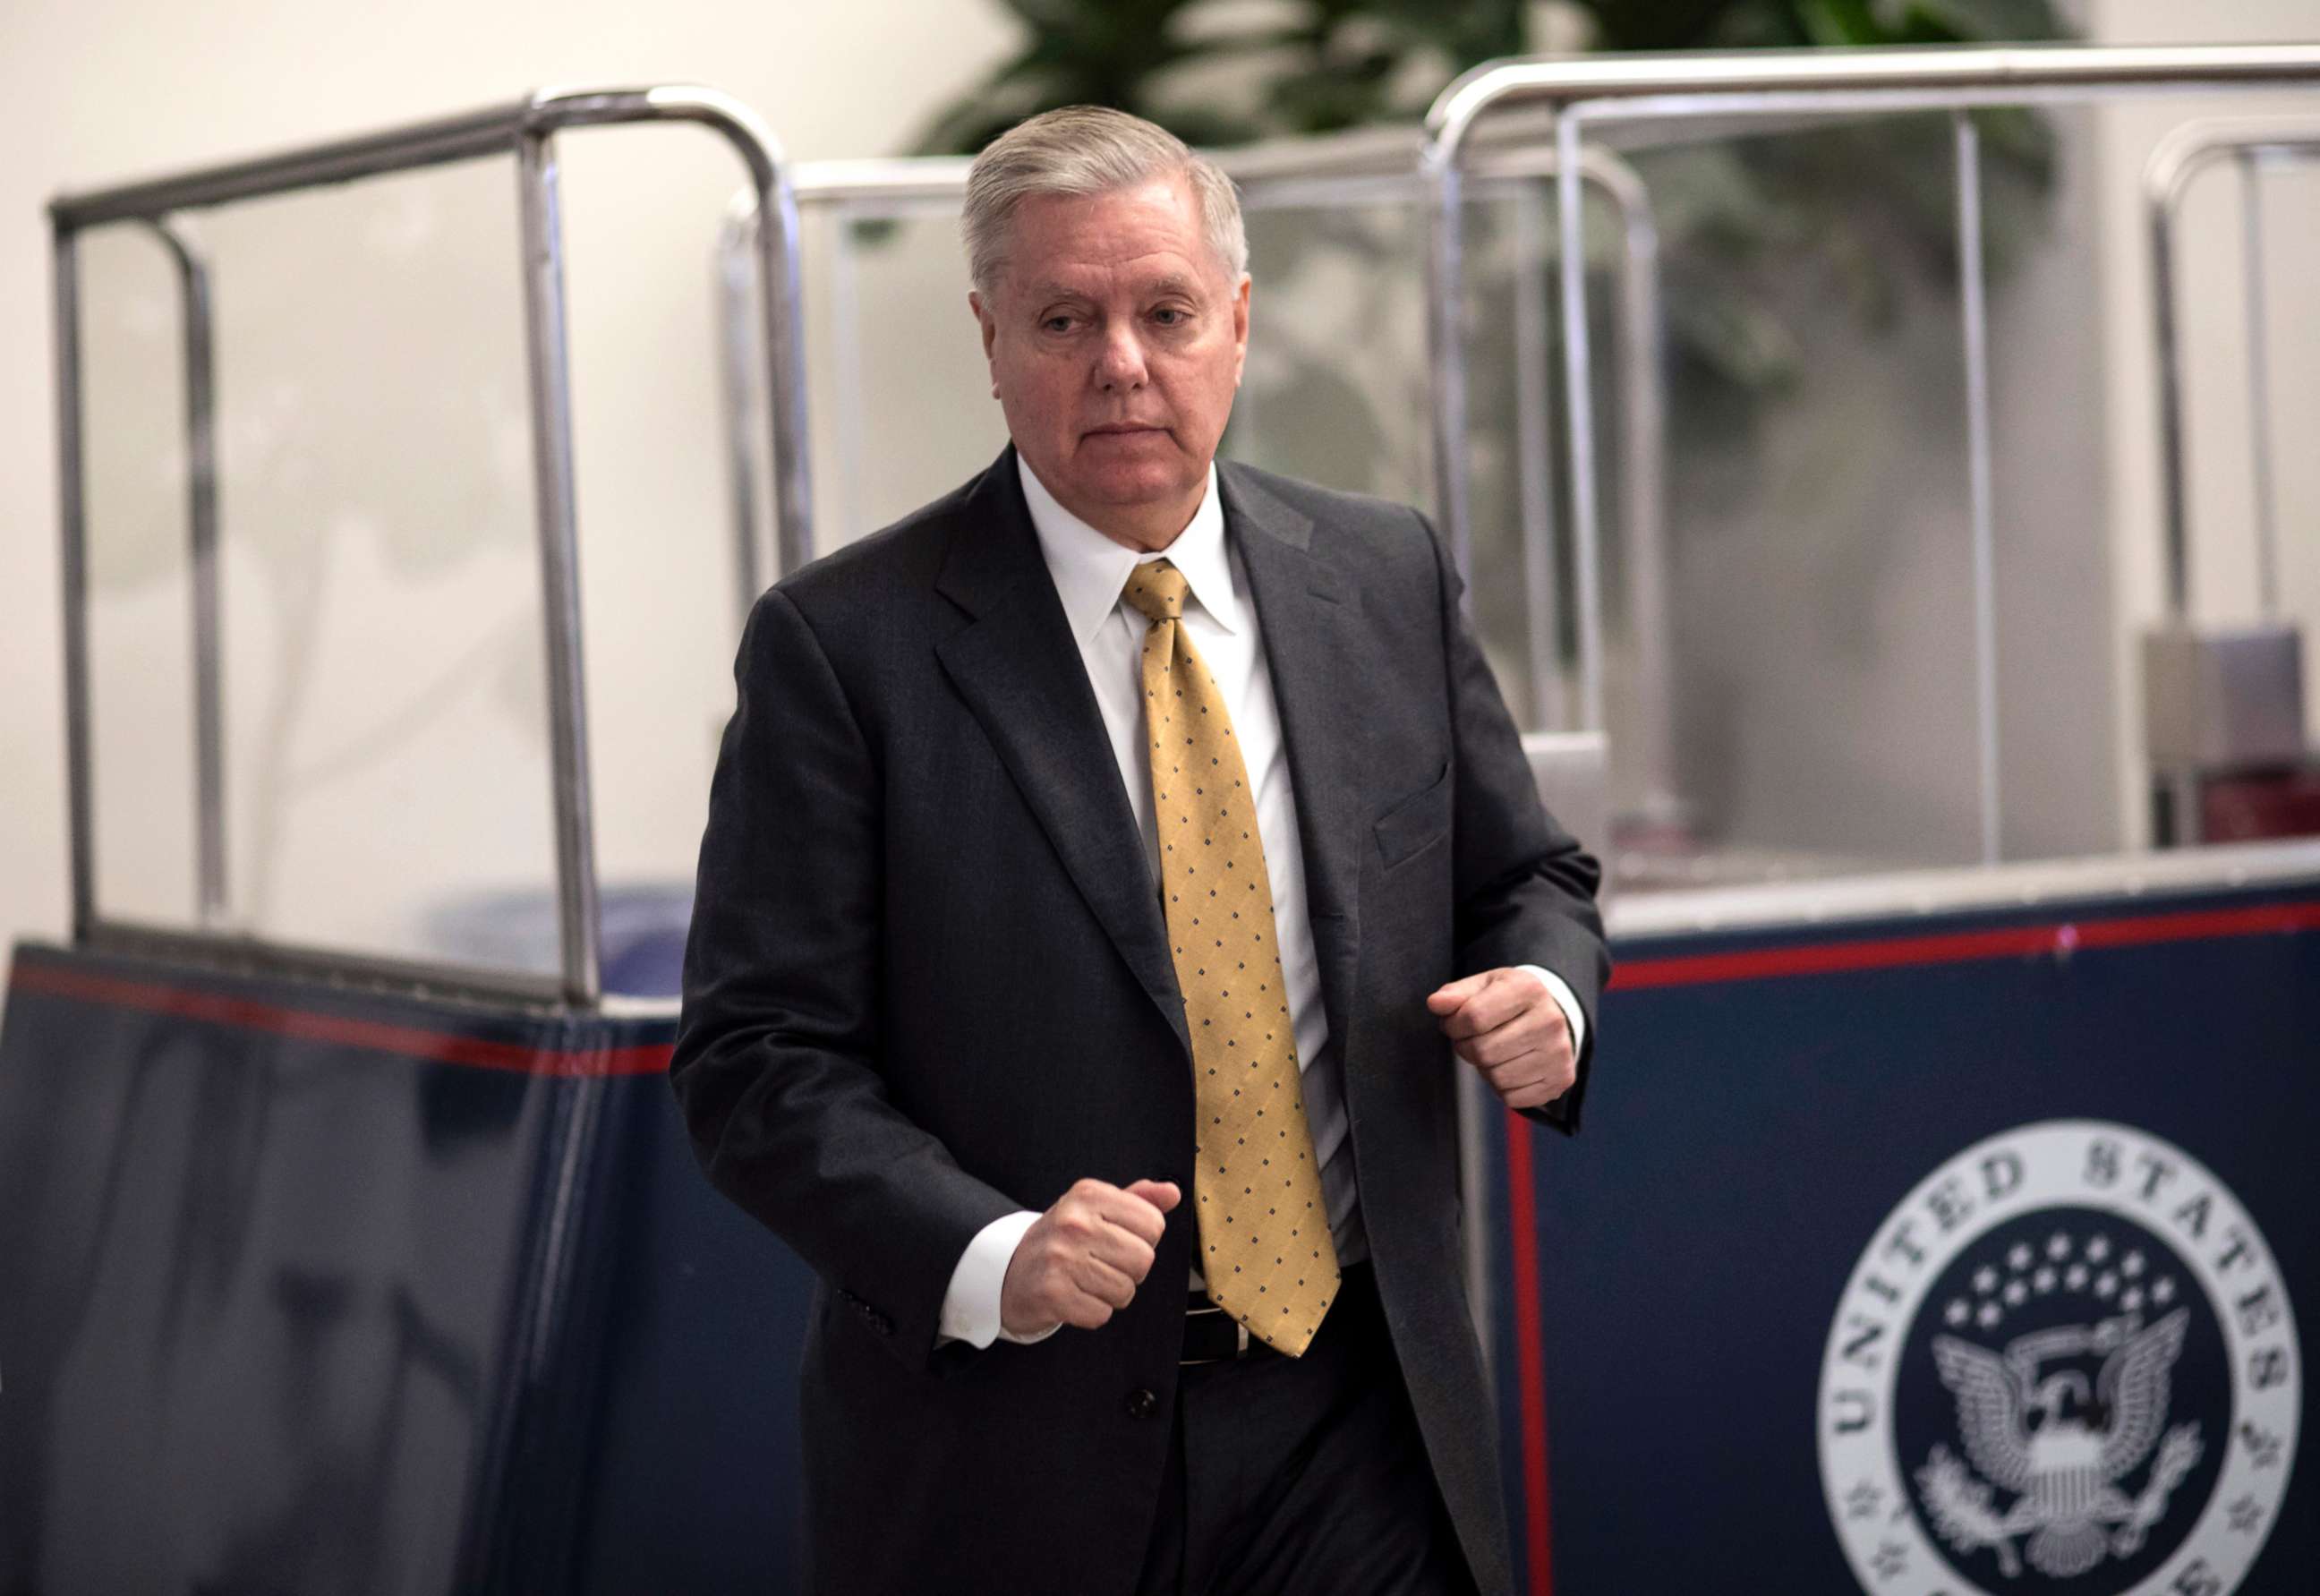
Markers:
{"x": 1505, "y": 1024}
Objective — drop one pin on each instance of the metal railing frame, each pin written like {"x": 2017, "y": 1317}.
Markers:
{"x": 196, "y": 321}
{"x": 526, "y": 130}
{"x": 1578, "y": 94}
{"x": 2175, "y": 162}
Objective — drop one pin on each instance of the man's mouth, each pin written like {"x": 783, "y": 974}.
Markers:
{"x": 1122, "y": 428}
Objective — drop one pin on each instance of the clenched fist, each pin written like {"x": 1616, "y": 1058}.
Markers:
{"x": 1082, "y": 1260}
{"x": 1507, "y": 1025}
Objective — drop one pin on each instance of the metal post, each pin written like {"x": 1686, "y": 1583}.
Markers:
{"x": 2175, "y": 162}
{"x": 1242, "y": 422}
{"x": 579, "y": 923}
{"x": 2259, "y": 365}
{"x": 196, "y": 312}
{"x": 65, "y": 261}
{"x": 735, "y": 268}
{"x": 1976, "y": 329}
{"x": 1535, "y": 459}
{"x": 1480, "y": 1113}
{"x": 1445, "y": 328}
{"x": 1579, "y": 405}
{"x": 779, "y": 295}
{"x": 2172, "y": 466}
{"x": 846, "y": 368}
{"x": 1643, "y": 461}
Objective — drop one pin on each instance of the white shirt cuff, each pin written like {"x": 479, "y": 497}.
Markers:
{"x": 1565, "y": 999}
{"x": 970, "y": 1309}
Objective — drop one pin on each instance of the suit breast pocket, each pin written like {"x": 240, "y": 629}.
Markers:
{"x": 1412, "y": 825}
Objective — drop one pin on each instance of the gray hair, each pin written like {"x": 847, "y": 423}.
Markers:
{"x": 1087, "y": 150}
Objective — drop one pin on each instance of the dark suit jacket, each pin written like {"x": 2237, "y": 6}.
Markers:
{"x": 928, "y": 982}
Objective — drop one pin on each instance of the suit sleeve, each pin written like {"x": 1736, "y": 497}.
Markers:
{"x": 1524, "y": 888}
{"x": 776, "y": 1061}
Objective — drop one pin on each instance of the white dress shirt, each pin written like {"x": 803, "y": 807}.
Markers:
{"x": 1090, "y": 570}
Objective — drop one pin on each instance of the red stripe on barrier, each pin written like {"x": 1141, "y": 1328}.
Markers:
{"x": 2057, "y": 940}
{"x": 1530, "y": 1354}
{"x": 406, "y": 1040}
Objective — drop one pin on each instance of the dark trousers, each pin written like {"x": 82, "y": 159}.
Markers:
{"x": 1306, "y": 1475}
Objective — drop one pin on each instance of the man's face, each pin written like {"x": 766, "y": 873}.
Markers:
{"x": 1115, "y": 340}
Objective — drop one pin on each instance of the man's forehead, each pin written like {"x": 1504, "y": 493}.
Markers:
{"x": 1149, "y": 235}
{"x": 1163, "y": 201}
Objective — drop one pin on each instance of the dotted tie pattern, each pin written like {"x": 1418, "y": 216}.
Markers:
{"x": 1265, "y": 1230}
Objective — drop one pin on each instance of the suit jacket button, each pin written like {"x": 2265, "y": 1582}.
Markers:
{"x": 1142, "y": 1403}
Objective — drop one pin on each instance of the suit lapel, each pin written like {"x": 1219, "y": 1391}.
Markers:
{"x": 1020, "y": 673}
{"x": 1311, "y": 622}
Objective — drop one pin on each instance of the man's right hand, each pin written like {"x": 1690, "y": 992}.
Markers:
{"x": 1082, "y": 1260}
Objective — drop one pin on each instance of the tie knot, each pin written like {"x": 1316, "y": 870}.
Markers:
{"x": 1157, "y": 588}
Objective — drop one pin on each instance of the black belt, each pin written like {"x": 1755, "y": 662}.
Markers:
{"x": 1212, "y": 1335}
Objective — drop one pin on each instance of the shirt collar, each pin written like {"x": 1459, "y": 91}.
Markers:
{"x": 1090, "y": 569}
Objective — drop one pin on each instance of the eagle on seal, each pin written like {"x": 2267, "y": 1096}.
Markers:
{"x": 2060, "y": 1452}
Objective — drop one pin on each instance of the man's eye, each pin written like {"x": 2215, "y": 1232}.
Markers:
{"x": 1057, "y": 324}
{"x": 1170, "y": 316}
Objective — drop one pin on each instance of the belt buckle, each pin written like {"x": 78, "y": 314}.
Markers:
{"x": 1241, "y": 1341}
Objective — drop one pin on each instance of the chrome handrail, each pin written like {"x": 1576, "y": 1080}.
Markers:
{"x": 197, "y": 321}
{"x": 1578, "y": 93}
{"x": 525, "y": 127}
{"x": 2176, "y": 161}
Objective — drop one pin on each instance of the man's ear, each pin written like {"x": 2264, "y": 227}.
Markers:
{"x": 1240, "y": 327}
{"x": 983, "y": 319}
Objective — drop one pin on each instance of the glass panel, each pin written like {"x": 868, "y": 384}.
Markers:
{"x": 386, "y": 759}
{"x": 1819, "y": 572}
{"x": 2291, "y": 323}
{"x": 901, "y": 396}
{"x": 139, "y": 622}
{"x": 1336, "y": 389}
{"x": 2224, "y": 415}
{"x": 1818, "y": 553}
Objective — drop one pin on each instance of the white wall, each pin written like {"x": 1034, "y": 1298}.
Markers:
{"x": 97, "y": 91}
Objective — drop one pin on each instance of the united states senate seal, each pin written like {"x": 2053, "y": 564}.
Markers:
{"x": 2066, "y": 1363}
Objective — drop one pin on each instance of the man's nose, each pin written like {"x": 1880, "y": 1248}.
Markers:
{"x": 1119, "y": 363}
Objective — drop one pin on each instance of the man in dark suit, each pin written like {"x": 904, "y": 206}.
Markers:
{"x": 1097, "y": 861}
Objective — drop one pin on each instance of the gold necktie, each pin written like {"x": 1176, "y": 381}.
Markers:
{"x": 1264, "y": 1227}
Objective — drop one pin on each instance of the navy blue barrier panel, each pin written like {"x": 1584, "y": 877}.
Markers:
{"x": 695, "y": 1482}
{"x": 309, "y": 1290}
{"x": 1953, "y": 1254}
